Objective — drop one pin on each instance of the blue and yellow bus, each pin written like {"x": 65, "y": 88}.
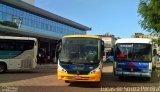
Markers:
{"x": 80, "y": 58}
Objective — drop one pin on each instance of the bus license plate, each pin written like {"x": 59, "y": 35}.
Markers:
{"x": 132, "y": 73}
{"x": 77, "y": 77}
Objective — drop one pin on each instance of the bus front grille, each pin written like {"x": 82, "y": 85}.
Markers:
{"x": 79, "y": 72}
{"x": 72, "y": 77}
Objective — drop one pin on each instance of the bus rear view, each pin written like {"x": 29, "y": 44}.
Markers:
{"x": 80, "y": 58}
{"x": 133, "y": 57}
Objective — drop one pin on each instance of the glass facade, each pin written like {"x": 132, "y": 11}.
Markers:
{"x": 36, "y": 24}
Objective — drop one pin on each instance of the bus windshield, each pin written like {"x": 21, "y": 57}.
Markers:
{"x": 133, "y": 52}
{"x": 79, "y": 50}
{"x": 142, "y": 52}
{"x": 12, "y": 48}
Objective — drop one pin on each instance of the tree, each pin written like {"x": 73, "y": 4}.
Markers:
{"x": 149, "y": 10}
{"x": 156, "y": 41}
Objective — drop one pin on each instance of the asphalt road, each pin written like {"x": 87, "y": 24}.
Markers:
{"x": 44, "y": 79}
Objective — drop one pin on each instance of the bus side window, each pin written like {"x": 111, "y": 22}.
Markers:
{"x": 112, "y": 52}
{"x": 35, "y": 43}
{"x": 102, "y": 49}
{"x": 116, "y": 52}
{"x": 59, "y": 46}
{"x": 154, "y": 52}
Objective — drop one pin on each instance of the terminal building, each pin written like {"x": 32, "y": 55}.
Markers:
{"x": 18, "y": 18}
{"x": 109, "y": 41}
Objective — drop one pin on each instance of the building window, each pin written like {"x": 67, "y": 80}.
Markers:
{"x": 33, "y": 23}
{"x": 0, "y": 7}
{"x": 29, "y": 23}
{"x": 36, "y": 23}
{"x": 46, "y": 27}
{"x": 39, "y": 25}
{"x": 8, "y": 13}
{"x": 42, "y": 26}
{"x": 8, "y": 17}
{"x": 4, "y": 16}
{"x": 0, "y": 16}
{"x": 26, "y": 22}
{"x": 9, "y": 10}
{"x": 50, "y": 27}
{"x": 4, "y": 8}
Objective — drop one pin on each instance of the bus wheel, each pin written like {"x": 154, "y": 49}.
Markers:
{"x": 67, "y": 81}
{"x": 148, "y": 78}
{"x": 3, "y": 68}
{"x": 114, "y": 72}
{"x": 98, "y": 82}
{"x": 154, "y": 68}
{"x": 121, "y": 77}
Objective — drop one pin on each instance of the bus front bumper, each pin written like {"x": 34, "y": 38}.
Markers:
{"x": 82, "y": 78}
{"x": 138, "y": 74}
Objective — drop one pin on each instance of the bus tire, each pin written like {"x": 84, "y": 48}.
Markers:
{"x": 148, "y": 78}
{"x": 121, "y": 77}
{"x": 3, "y": 67}
{"x": 66, "y": 81}
{"x": 154, "y": 68}
{"x": 114, "y": 72}
{"x": 98, "y": 82}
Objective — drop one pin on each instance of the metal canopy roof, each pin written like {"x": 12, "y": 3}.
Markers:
{"x": 9, "y": 31}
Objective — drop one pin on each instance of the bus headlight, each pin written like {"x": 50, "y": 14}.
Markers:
{"x": 60, "y": 69}
{"x": 95, "y": 71}
{"x": 144, "y": 70}
{"x": 119, "y": 69}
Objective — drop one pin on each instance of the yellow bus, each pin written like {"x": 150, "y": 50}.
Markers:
{"x": 80, "y": 58}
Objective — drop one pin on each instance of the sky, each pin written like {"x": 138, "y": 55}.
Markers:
{"x": 117, "y": 17}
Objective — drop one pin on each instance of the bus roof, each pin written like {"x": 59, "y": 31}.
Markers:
{"x": 18, "y": 38}
{"x": 83, "y": 36}
{"x": 134, "y": 40}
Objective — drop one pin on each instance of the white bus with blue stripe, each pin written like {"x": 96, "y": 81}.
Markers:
{"x": 134, "y": 57}
{"x": 17, "y": 53}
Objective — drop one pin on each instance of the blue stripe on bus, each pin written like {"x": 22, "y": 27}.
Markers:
{"x": 6, "y": 54}
{"x": 136, "y": 66}
{"x": 82, "y": 68}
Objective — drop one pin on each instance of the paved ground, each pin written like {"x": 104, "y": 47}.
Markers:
{"x": 44, "y": 79}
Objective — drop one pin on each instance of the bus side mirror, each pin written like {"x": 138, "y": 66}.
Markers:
{"x": 102, "y": 48}
{"x": 112, "y": 52}
{"x": 103, "y": 53}
{"x": 154, "y": 52}
{"x": 59, "y": 46}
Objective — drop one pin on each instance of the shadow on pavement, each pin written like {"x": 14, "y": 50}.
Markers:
{"x": 109, "y": 80}
{"x": 85, "y": 84}
{"x": 17, "y": 75}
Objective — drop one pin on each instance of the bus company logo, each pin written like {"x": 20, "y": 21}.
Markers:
{"x": 121, "y": 63}
{"x": 131, "y": 64}
{"x": 91, "y": 67}
{"x": 131, "y": 69}
{"x": 74, "y": 67}
{"x": 78, "y": 68}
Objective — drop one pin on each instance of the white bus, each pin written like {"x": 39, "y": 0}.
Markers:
{"x": 17, "y": 53}
{"x": 134, "y": 57}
